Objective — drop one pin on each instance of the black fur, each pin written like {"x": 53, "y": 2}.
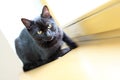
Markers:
{"x": 40, "y": 42}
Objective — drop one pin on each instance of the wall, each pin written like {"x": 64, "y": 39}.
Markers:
{"x": 10, "y": 66}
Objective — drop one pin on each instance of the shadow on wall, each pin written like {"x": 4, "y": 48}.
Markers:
{"x": 10, "y": 66}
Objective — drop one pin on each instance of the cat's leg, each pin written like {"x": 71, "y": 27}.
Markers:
{"x": 33, "y": 65}
{"x": 59, "y": 53}
{"x": 62, "y": 52}
{"x": 69, "y": 41}
{"x": 27, "y": 67}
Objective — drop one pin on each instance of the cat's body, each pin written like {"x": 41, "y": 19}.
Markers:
{"x": 40, "y": 42}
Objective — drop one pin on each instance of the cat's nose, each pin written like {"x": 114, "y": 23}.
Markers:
{"x": 48, "y": 34}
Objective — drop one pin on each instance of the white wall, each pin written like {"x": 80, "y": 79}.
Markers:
{"x": 11, "y": 12}
{"x": 10, "y": 66}
{"x": 67, "y": 10}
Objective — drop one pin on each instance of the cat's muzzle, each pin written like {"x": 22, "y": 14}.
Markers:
{"x": 48, "y": 38}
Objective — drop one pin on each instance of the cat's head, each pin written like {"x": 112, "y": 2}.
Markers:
{"x": 44, "y": 28}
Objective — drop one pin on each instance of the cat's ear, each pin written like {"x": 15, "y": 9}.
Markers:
{"x": 27, "y": 23}
{"x": 45, "y": 12}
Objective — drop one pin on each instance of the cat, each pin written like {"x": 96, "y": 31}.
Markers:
{"x": 40, "y": 41}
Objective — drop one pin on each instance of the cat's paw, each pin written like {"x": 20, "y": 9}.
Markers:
{"x": 64, "y": 51}
{"x": 26, "y": 68}
{"x": 73, "y": 45}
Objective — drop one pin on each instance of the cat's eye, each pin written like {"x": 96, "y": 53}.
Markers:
{"x": 49, "y": 26}
{"x": 39, "y": 32}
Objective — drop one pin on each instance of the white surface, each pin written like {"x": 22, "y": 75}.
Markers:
{"x": 10, "y": 66}
{"x": 11, "y": 12}
{"x": 68, "y": 10}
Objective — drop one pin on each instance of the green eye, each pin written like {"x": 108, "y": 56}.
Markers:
{"x": 49, "y": 26}
{"x": 39, "y": 32}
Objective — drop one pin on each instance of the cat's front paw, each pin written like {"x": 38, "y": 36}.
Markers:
{"x": 73, "y": 45}
{"x": 26, "y": 68}
{"x": 63, "y": 52}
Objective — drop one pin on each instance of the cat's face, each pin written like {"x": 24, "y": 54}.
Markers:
{"x": 42, "y": 29}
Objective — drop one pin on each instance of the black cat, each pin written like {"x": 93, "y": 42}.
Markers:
{"x": 40, "y": 42}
